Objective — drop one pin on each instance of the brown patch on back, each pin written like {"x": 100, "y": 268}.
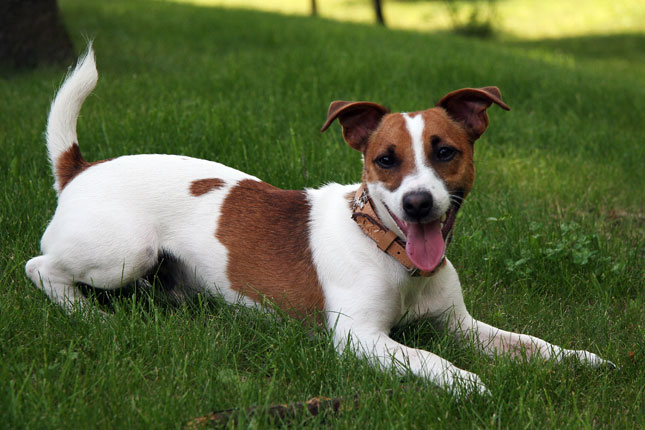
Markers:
{"x": 391, "y": 137}
{"x": 266, "y": 232}
{"x": 459, "y": 173}
{"x": 70, "y": 164}
{"x": 200, "y": 187}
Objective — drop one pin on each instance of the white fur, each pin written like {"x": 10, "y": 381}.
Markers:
{"x": 114, "y": 220}
{"x": 367, "y": 293}
{"x": 422, "y": 178}
{"x": 415, "y": 126}
{"x": 61, "y": 125}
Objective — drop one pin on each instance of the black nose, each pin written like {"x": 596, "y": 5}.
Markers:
{"x": 417, "y": 204}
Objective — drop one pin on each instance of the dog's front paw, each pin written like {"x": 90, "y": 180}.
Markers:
{"x": 463, "y": 383}
{"x": 591, "y": 359}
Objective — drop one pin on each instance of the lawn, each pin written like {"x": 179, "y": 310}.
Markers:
{"x": 551, "y": 241}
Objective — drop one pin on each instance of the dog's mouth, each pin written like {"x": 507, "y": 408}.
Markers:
{"x": 426, "y": 242}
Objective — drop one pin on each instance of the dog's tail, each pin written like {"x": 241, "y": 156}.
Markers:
{"x": 62, "y": 142}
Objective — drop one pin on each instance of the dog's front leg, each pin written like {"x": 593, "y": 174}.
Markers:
{"x": 380, "y": 350}
{"x": 494, "y": 341}
{"x": 445, "y": 300}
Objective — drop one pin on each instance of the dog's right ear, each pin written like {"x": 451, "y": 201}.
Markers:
{"x": 468, "y": 106}
{"x": 359, "y": 120}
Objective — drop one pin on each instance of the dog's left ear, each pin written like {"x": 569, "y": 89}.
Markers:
{"x": 468, "y": 106}
{"x": 359, "y": 120}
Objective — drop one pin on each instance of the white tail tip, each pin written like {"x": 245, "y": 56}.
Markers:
{"x": 63, "y": 115}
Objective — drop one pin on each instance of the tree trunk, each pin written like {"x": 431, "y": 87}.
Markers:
{"x": 379, "y": 12}
{"x": 32, "y": 34}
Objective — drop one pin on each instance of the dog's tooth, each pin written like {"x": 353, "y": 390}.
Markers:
{"x": 444, "y": 217}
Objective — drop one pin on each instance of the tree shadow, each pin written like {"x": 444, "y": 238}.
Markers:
{"x": 626, "y": 47}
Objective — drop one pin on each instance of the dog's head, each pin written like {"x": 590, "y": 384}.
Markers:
{"x": 418, "y": 167}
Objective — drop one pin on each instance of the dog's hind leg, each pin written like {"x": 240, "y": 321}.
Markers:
{"x": 58, "y": 278}
{"x": 55, "y": 282}
{"x": 107, "y": 252}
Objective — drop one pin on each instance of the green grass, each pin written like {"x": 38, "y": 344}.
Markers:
{"x": 533, "y": 19}
{"x": 550, "y": 242}
{"x": 599, "y": 34}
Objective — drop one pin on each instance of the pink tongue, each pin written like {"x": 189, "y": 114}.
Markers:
{"x": 425, "y": 245}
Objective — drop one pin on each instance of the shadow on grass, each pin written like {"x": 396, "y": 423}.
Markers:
{"x": 627, "y": 47}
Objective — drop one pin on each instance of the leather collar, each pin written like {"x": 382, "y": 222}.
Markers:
{"x": 387, "y": 241}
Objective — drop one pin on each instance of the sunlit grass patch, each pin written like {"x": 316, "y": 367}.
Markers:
{"x": 526, "y": 19}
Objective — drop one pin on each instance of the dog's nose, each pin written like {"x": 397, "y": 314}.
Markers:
{"x": 417, "y": 204}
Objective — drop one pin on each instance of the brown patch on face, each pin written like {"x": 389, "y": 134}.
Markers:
{"x": 266, "y": 232}
{"x": 391, "y": 139}
{"x": 200, "y": 187}
{"x": 440, "y": 130}
{"x": 70, "y": 164}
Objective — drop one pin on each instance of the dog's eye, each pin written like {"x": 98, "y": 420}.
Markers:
{"x": 386, "y": 161}
{"x": 445, "y": 153}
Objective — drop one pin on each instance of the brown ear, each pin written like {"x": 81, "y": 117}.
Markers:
{"x": 359, "y": 120}
{"x": 468, "y": 106}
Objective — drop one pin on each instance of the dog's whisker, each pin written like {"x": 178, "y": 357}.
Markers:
{"x": 456, "y": 197}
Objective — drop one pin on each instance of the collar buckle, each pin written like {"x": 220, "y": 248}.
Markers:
{"x": 361, "y": 201}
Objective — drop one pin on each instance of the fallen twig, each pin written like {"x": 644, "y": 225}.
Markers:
{"x": 314, "y": 407}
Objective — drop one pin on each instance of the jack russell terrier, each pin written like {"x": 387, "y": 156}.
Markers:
{"x": 368, "y": 256}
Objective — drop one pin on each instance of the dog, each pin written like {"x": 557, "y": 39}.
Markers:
{"x": 367, "y": 256}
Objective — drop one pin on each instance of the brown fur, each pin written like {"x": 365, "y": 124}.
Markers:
{"x": 392, "y": 135}
{"x": 391, "y": 138}
{"x": 358, "y": 119}
{"x": 266, "y": 232}
{"x": 202, "y": 186}
{"x": 458, "y": 173}
{"x": 468, "y": 107}
{"x": 350, "y": 199}
{"x": 70, "y": 164}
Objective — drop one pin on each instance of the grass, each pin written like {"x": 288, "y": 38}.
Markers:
{"x": 534, "y": 19}
{"x": 550, "y": 242}
{"x": 598, "y": 35}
